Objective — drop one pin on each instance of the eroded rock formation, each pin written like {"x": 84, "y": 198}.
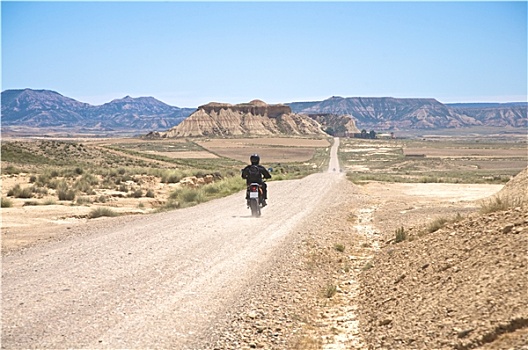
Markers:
{"x": 253, "y": 118}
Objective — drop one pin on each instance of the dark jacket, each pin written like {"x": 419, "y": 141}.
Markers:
{"x": 263, "y": 173}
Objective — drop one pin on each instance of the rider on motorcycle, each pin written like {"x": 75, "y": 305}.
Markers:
{"x": 251, "y": 175}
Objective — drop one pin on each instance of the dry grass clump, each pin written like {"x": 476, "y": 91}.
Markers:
{"x": 436, "y": 224}
{"x": 18, "y": 192}
{"x": 65, "y": 193}
{"x": 6, "y": 203}
{"x": 330, "y": 291}
{"x": 100, "y": 212}
{"x": 82, "y": 200}
{"x": 184, "y": 197}
{"x": 440, "y": 222}
{"x": 401, "y": 235}
{"x": 499, "y": 203}
{"x": 339, "y": 247}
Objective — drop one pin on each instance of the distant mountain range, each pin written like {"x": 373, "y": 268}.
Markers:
{"x": 389, "y": 113}
{"x": 53, "y": 111}
{"x": 48, "y": 110}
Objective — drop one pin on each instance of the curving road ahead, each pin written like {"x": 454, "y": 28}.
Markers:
{"x": 153, "y": 281}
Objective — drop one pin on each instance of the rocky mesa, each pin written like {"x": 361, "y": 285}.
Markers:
{"x": 253, "y": 118}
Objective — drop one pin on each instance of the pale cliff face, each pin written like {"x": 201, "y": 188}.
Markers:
{"x": 254, "y": 118}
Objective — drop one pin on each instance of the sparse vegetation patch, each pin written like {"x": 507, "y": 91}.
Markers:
{"x": 499, "y": 203}
{"x": 401, "y": 235}
{"x": 102, "y": 211}
{"x": 447, "y": 160}
{"x": 6, "y": 203}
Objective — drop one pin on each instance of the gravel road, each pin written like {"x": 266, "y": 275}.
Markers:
{"x": 156, "y": 281}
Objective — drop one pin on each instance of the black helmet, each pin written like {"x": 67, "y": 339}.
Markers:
{"x": 255, "y": 159}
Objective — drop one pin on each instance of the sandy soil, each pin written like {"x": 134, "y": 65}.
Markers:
{"x": 264, "y": 141}
{"x": 271, "y": 149}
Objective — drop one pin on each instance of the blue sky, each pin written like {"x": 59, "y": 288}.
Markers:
{"x": 190, "y": 53}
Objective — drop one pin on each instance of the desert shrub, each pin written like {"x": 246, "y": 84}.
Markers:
{"x": 136, "y": 193}
{"x": 190, "y": 195}
{"x": 57, "y": 183}
{"x": 430, "y": 179}
{"x": 102, "y": 199}
{"x": 69, "y": 173}
{"x": 171, "y": 204}
{"x": 278, "y": 177}
{"x": 367, "y": 266}
{"x": 66, "y": 195}
{"x": 11, "y": 170}
{"x": 199, "y": 173}
{"x": 14, "y": 190}
{"x": 83, "y": 200}
{"x": 101, "y": 211}
{"x": 171, "y": 177}
{"x": 150, "y": 194}
{"x": 43, "y": 180}
{"x": 339, "y": 247}
{"x": 49, "y": 202}
{"x": 330, "y": 290}
{"x": 79, "y": 171}
{"x": 64, "y": 192}
{"x": 123, "y": 188}
{"x": 211, "y": 189}
{"x": 126, "y": 177}
{"x": 30, "y": 203}
{"x": 232, "y": 184}
{"x": 19, "y": 192}
{"x": 499, "y": 203}
{"x": 83, "y": 186}
{"x": 186, "y": 197}
{"x": 107, "y": 183}
{"x": 6, "y": 203}
{"x": 46, "y": 178}
{"x": 224, "y": 187}
{"x": 437, "y": 224}
{"x": 33, "y": 178}
{"x": 90, "y": 178}
{"x": 39, "y": 190}
{"x": 401, "y": 235}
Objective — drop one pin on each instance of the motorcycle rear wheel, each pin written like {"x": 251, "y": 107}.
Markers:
{"x": 255, "y": 208}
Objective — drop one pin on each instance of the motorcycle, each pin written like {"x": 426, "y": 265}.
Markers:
{"x": 254, "y": 198}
